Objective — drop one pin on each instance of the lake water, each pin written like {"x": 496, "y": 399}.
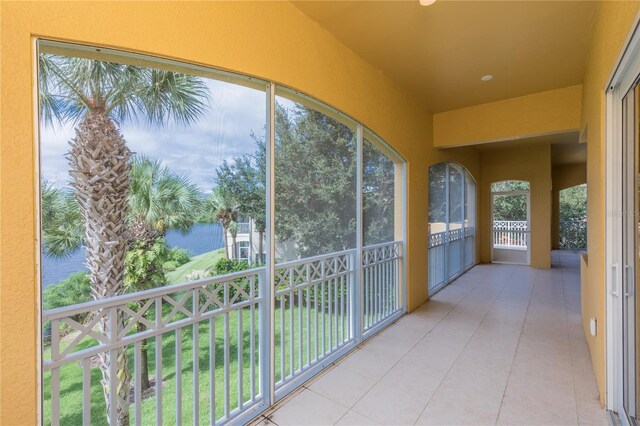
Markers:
{"x": 202, "y": 237}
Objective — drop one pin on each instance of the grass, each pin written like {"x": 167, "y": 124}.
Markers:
{"x": 302, "y": 340}
{"x": 293, "y": 352}
{"x": 71, "y": 375}
{"x": 197, "y": 263}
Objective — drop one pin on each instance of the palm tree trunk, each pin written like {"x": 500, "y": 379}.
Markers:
{"x": 99, "y": 160}
{"x": 234, "y": 246}
{"x": 226, "y": 242}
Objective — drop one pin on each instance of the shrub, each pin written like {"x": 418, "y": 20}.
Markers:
{"x": 170, "y": 266}
{"x": 70, "y": 291}
{"x": 144, "y": 266}
{"x": 179, "y": 256}
{"x": 227, "y": 266}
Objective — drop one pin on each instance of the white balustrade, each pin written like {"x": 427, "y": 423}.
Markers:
{"x": 204, "y": 340}
{"x": 510, "y": 233}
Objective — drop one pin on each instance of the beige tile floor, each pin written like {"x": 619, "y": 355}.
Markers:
{"x": 500, "y": 345}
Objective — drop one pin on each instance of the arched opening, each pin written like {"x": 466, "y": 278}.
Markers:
{"x": 452, "y": 200}
{"x": 510, "y": 221}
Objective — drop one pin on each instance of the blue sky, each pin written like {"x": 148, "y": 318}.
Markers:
{"x": 221, "y": 134}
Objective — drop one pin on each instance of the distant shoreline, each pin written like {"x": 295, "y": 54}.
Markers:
{"x": 201, "y": 238}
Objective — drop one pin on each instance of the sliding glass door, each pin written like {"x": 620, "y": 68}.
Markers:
{"x": 628, "y": 404}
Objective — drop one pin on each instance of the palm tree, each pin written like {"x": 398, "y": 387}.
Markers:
{"x": 62, "y": 227}
{"x": 233, "y": 231}
{"x": 221, "y": 205}
{"x": 159, "y": 199}
{"x": 93, "y": 95}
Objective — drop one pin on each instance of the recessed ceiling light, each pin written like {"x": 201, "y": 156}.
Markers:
{"x": 427, "y": 2}
{"x": 487, "y": 77}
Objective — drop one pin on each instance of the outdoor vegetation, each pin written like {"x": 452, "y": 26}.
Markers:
{"x": 118, "y": 206}
{"x": 573, "y": 217}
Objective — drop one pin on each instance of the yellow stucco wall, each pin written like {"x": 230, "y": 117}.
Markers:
{"x": 532, "y": 164}
{"x": 270, "y": 40}
{"x": 611, "y": 29}
{"x": 554, "y": 111}
{"x": 563, "y": 177}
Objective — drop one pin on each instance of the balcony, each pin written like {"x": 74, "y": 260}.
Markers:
{"x": 226, "y": 347}
{"x": 502, "y": 344}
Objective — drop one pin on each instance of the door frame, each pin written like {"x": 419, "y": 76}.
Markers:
{"x": 624, "y": 76}
{"x": 528, "y": 232}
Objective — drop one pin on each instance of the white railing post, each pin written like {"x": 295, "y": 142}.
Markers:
{"x": 267, "y": 325}
{"x": 358, "y": 291}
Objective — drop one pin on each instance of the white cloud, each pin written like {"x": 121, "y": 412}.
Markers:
{"x": 221, "y": 134}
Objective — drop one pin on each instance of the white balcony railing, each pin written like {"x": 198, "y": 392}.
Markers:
{"x": 450, "y": 254}
{"x": 382, "y": 299}
{"x": 171, "y": 318}
{"x": 208, "y": 342}
{"x": 511, "y": 234}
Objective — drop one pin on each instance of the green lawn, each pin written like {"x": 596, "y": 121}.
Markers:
{"x": 71, "y": 375}
{"x": 197, "y": 263}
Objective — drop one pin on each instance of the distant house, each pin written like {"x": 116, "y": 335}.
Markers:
{"x": 247, "y": 242}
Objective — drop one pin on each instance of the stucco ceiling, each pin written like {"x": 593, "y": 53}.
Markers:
{"x": 439, "y": 52}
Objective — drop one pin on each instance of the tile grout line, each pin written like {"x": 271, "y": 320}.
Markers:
{"x": 466, "y": 344}
{"x": 416, "y": 344}
{"x": 515, "y": 353}
{"x": 305, "y": 386}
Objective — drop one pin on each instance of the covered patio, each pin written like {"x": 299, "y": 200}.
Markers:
{"x": 502, "y": 344}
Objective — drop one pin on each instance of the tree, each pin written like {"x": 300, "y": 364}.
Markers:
{"x": 573, "y": 203}
{"x": 573, "y": 217}
{"x": 315, "y": 185}
{"x": 159, "y": 199}
{"x": 315, "y": 182}
{"x": 511, "y": 207}
{"x": 244, "y": 179}
{"x": 221, "y": 206}
{"x": 437, "y": 196}
{"x": 378, "y": 177}
{"x": 93, "y": 95}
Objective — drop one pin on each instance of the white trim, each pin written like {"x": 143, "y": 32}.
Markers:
{"x": 405, "y": 209}
{"x": 623, "y": 77}
{"x": 38, "y": 230}
{"x": 269, "y": 301}
{"x": 627, "y": 57}
{"x": 358, "y": 323}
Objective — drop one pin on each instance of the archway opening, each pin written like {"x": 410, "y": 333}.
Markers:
{"x": 510, "y": 212}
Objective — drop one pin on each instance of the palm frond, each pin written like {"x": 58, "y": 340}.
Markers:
{"x": 165, "y": 199}
{"x": 169, "y": 96}
{"x": 62, "y": 223}
{"x": 71, "y": 86}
